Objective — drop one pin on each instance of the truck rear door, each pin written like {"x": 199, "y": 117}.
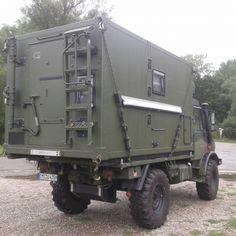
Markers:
{"x": 46, "y": 87}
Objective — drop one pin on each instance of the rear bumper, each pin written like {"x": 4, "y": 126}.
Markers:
{"x": 99, "y": 192}
{"x": 37, "y": 152}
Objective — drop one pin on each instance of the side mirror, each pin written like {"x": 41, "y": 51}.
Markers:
{"x": 5, "y": 46}
{"x": 213, "y": 122}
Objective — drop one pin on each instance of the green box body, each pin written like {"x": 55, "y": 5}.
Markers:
{"x": 121, "y": 63}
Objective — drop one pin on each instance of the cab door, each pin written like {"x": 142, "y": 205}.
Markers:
{"x": 199, "y": 140}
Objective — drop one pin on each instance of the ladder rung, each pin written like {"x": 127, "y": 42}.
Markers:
{"x": 84, "y": 77}
{"x": 79, "y": 87}
{"x": 80, "y": 126}
{"x": 76, "y": 128}
{"x": 78, "y": 77}
{"x": 82, "y": 69}
{"x": 75, "y": 108}
{"x": 82, "y": 51}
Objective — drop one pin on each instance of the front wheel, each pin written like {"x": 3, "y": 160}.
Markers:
{"x": 209, "y": 189}
{"x": 149, "y": 207}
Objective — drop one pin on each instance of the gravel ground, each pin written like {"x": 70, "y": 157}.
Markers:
{"x": 26, "y": 209}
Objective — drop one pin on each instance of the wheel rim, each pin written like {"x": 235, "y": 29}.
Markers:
{"x": 158, "y": 198}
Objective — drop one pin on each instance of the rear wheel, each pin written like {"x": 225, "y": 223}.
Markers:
{"x": 209, "y": 189}
{"x": 149, "y": 207}
{"x": 65, "y": 200}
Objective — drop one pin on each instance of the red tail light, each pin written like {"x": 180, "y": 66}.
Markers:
{"x": 128, "y": 195}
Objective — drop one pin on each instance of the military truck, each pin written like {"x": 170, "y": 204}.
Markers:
{"x": 102, "y": 110}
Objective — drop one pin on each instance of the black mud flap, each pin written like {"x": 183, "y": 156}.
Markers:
{"x": 105, "y": 193}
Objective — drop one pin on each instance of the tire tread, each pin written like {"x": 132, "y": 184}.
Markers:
{"x": 66, "y": 201}
{"x": 139, "y": 204}
{"x": 204, "y": 190}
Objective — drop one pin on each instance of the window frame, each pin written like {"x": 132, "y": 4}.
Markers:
{"x": 162, "y": 76}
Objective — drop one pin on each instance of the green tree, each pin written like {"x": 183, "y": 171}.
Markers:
{"x": 230, "y": 87}
{"x": 200, "y": 66}
{"x": 229, "y": 126}
{"x": 210, "y": 90}
{"x": 6, "y": 31}
{"x": 2, "y": 85}
{"x": 227, "y": 70}
{"x": 99, "y": 8}
{"x": 44, "y": 14}
{"x": 227, "y": 74}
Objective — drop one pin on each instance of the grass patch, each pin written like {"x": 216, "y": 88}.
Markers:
{"x": 216, "y": 233}
{"x": 230, "y": 194}
{"x": 85, "y": 219}
{"x": 234, "y": 205}
{"x": 196, "y": 233}
{"x": 127, "y": 233}
{"x": 212, "y": 221}
{"x": 219, "y": 196}
{"x": 183, "y": 205}
{"x": 231, "y": 223}
{"x": 222, "y": 190}
{"x": 1, "y": 150}
{"x": 228, "y": 177}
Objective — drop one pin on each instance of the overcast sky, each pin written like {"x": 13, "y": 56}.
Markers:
{"x": 180, "y": 26}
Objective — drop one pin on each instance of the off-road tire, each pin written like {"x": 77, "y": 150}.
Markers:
{"x": 149, "y": 207}
{"x": 66, "y": 201}
{"x": 209, "y": 189}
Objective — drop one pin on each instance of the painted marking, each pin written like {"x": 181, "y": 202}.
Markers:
{"x": 99, "y": 191}
{"x": 72, "y": 188}
{"x": 45, "y": 152}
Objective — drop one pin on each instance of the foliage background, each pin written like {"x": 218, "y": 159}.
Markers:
{"x": 218, "y": 88}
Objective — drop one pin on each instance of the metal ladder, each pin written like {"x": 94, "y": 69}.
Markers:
{"x": 78, "y": 80}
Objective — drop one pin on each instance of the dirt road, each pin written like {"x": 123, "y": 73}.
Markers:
{"x": 227, "y": 152}
{"x": 26, "y": 207}
{"x": 11, "y": 167}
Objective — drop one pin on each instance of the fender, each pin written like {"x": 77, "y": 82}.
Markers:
{"x": 204, "y": 162}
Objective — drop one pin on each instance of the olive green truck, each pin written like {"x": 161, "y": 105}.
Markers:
{"x": 102, "y": 110}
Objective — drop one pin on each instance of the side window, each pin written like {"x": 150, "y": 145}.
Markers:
{"x": 197, "y": 121}
{"x": 158, "y": 82}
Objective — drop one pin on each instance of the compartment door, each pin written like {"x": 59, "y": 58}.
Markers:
{"x": 47, "y": 86}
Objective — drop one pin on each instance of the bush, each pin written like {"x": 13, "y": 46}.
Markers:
{"x": 216, "y": 135}
{"x": 229, "y": 126}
